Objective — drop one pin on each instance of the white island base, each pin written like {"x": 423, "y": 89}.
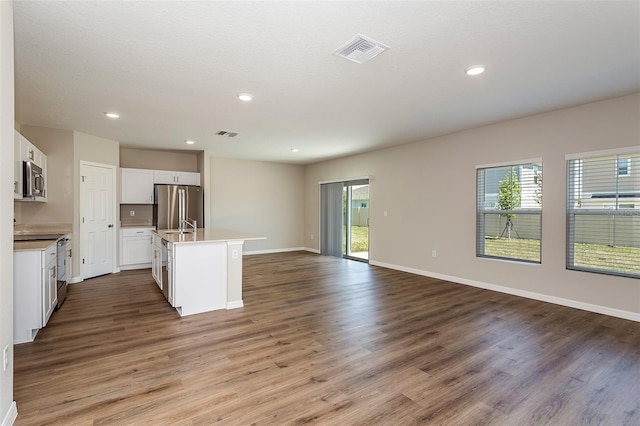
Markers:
{"x": 203, "y": 269}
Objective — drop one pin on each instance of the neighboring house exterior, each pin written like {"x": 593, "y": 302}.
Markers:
{"x": 360, "y": 205}
{"x": 608, "y": 183}
{"x": 529, "y": 176}
{"x": 525, "y": 226}
{"x": 360, "y": 196}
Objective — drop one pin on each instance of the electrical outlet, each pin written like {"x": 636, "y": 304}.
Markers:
{"x": 5, "y": 358}
{"x": 433, "y": 253}
{"x": 234, "y": 254}
{"x": 312, "y": 236}
{"x": 132, "y": 212}
{"x": 385, "y": 213}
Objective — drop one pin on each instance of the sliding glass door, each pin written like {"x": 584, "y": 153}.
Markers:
{"x": 344, "y": 219}
{"x": 355, "y": 207}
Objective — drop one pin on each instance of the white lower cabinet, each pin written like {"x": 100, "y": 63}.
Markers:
{"x": 136, "y": 248}
{"x": 156, "y": 260}
{"x": 34, "y": 291}
{"x": 197, "y": 275}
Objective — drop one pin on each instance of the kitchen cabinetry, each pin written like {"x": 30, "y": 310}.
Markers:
{"x": 35, "y": 290}
{"x": 177, "y": 178}
{"x": 136, "y": 186}
{"x": 26, "y": 151}
{"x": 135, "y": 248}
{"x": 156, "y": 260}
{"x": 17, "y": 168}
{"x": 204, "y": 269}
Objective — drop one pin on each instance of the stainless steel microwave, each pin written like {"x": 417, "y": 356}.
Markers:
{"x": 33, "y": 179}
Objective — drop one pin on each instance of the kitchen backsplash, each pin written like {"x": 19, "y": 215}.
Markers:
{"x": 142, "y": 214}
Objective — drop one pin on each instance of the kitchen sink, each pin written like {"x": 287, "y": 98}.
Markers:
{"x": 177, "y": 232}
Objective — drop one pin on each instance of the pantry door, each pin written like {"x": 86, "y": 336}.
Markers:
{"x": 97, "y": 219}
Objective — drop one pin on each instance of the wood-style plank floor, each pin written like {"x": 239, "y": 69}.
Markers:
{"x": 328, "y": 341}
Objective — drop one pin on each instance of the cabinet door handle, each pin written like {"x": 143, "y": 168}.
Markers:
{"x": 31, "y": 154}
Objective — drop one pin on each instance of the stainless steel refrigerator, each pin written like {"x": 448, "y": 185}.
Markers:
{"x": 173, "y": 201}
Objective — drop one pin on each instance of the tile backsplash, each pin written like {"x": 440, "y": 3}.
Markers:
{"x": 142, "y": 214}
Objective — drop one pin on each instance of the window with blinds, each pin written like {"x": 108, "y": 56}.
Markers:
{"x": 603, "y": 214}
{"x": 509, "y": 211}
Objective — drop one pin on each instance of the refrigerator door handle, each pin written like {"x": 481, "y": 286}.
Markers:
{"x": 181, "y": 208}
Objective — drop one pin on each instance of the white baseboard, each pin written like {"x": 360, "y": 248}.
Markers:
{"x": 312, "y": 250}
{"x": 11, "y": 415}
{"x": 235, "y": 304}
{"x": 619, "y": 313}
{"x": 75, "y": 280}
{"x": 136, "y": 266}
{"x": 281, "y": 250}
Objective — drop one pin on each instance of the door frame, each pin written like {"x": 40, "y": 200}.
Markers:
{"x": 114, "y": 239}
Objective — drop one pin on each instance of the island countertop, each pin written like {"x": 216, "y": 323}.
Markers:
{"x": 203, "y": 235}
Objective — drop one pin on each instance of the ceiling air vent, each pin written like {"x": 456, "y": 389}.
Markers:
{"x": 227, "y": 134}
{"x": 360, "y": 49}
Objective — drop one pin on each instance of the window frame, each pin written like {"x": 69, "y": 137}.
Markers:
{"x": 576, "y": 185}
{"x": 482, "y": 210}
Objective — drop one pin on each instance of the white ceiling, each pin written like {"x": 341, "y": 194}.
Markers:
{"x": 173, "y": 70}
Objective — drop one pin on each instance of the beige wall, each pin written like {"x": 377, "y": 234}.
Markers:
{"x": 58, "y": 146}
{"x": 180, "y": 161}
{"x": 258, "y": 197}
{"x": 96, "y": 150}
{"x": 431, "y": 186}
{"x": 7, "y": 407}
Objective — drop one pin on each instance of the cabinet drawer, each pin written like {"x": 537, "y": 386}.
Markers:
{"x": 49, "y": 253}
{"x": 136, "y": 232}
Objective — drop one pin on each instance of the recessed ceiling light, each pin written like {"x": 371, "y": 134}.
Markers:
{"x": 189, "y": 142}
{"x": 294, "y": 150}
{"x": 475, "y": 69}
{"x": 112, "y": 114}
{"x": 245, "y": 97}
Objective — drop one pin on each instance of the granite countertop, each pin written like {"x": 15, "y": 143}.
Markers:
{"x": 32, "y": 245}
{"x": 204, "y": 235}
{"x": 41, "y": 231}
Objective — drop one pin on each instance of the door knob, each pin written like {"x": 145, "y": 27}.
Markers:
{"x": 110, "y": 225}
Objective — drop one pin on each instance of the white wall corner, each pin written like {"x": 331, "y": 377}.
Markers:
{"x": 312, "y": 250}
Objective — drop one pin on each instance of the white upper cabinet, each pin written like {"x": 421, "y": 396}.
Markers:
{"x": 26, "y": 151}
{"x": 176, "y": 178}
{"x": 136, "y": 186}
{"x": 17, "y": 169}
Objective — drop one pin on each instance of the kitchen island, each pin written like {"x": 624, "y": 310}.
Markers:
{"x": 200, "y": 271}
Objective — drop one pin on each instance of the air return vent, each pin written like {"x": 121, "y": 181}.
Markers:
{"x": 360, "y": 49}
{"x": 227, "y": 134}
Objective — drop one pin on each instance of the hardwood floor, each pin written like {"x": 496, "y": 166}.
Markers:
{"x": 329, "y": 341}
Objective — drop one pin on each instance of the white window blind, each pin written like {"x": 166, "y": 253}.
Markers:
{"x": 509, "y": 212}
{"x": 603, "y": 214}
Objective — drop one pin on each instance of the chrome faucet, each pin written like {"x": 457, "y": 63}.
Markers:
{"x": 193, "y": 224}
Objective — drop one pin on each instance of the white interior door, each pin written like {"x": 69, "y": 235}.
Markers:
{"x": 97, "y": 219}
